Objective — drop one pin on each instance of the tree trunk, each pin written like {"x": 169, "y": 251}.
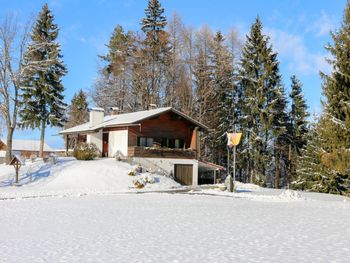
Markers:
{"x": 42, "y": 139}
{"x": 8, "y": 155}
{"x": 277, "y": 171}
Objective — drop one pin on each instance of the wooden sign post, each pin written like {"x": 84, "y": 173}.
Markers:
{"x": 16, "y": 162}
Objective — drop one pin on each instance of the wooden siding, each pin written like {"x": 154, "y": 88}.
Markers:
{"x": 184, "y": 173}
{"x": 138, "y": 151}
{"x": 2, "y": 146}
{"x": 167, "y": 125}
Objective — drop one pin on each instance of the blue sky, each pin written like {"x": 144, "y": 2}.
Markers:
{"x": 299, "y": 30}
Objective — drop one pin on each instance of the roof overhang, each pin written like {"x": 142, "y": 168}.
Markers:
{"x": 210, "y": 166}
{"x": 134, "y": 123}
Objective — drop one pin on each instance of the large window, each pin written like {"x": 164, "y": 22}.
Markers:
{"x": 145, "y": 141}
{"x": 162, "y": 142}
{"x": 173, "y": 143}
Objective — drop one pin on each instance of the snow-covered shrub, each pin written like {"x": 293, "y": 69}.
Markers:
{"x": 149, "y": 179}
{"x": 131, "y": 173}
{"x": 139, "y": 183}
{"x": 137, "y": 168}
{"x": 86, "y": 151}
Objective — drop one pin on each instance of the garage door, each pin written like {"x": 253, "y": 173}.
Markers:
{"x": 184, "y": 173}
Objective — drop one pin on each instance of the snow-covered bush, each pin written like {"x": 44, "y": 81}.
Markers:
{"x": 86, "y": 151}
{"x": 141, "y": 181}
{"x": 131, "y": 173}
{"x": 137, "y": 168}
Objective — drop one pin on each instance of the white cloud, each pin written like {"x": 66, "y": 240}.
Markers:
{"x": 292, "y": 49}
{"x": 323, "y": 25}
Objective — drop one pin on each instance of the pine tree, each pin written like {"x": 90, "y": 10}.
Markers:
{"x": 222, "y": 85}
{"x": 262, "y": 117}
{"x": 155, "y": 49}
{"x": 335, "y": 124}
{"x": 280, "y": 138}
{"x": 309, "y": 168}
{"x": 312, "y": 172}
{"x": 111, "y": 87}
{"x": 298, "y": 124}
{"x": 42, "y": 90}
{"x": 78, "y": 110}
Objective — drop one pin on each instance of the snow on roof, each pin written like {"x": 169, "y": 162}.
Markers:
{"x": 28, "y": 145}
{"x": 129, "y": 119}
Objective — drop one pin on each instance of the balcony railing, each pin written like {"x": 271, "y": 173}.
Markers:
{"x": 151, "y": 152}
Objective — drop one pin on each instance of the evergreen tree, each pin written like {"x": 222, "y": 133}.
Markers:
{"x": 78, "y": 110}
{"x": 280, "y": 138}
{"x": 222, "y": 85}
{"x": 111, "y": 89}
{"x": 155, "y": 49}
{"x": 335, "y": 123}
{"x": 262, "y": 118}
{"x": 312, "y": 172}
{"x": 298, "y": 124}
{"x": 309, "y": 168}
{"x": 42, "y": 90}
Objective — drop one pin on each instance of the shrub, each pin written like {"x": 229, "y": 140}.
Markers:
{"x": 86, "y": 151}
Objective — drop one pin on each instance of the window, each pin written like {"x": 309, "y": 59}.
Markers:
{"x": 173, "y": 143}
{"x": 145, "y": 141}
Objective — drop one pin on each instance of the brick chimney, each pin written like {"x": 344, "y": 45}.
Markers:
{"x": 96, "y": 116}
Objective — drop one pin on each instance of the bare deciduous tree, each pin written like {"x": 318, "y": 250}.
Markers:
{"x": 13, "y": 40}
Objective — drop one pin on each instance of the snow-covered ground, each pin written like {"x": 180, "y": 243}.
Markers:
{"x": 172, "y": 228}
{"x": 71, "y": 177}
{"x": 86, "y": 212}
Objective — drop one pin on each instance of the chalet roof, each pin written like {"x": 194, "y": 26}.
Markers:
{"x": 27, "y": 145}
{"x": 128, "y": 119}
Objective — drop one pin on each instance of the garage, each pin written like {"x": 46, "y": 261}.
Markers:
{"x": 184, "y": 173}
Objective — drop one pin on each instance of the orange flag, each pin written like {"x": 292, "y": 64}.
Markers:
{"x": 233, "y": 139}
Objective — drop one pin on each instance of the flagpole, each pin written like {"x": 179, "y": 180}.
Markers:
{"x": 228, "y": 160}
{"x": 234, "y": 155}
{"x": 234, "y": 163}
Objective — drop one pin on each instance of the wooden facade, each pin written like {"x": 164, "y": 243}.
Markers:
{"x": 138, "y": 151}
{"x": 167, "y": 135}
{"x": 172, "y": 137}
{"x": 184, "y": 173}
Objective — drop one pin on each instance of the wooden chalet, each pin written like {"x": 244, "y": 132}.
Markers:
{"x": 164, "y": 138}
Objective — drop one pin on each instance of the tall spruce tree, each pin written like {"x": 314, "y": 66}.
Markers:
{"x": 298, "y": 124}
{"x": 335, "y": 124}
{"x": 111, "y": 87}
{"x": 222, "y": 85}
{"x": 155, "y": 49}
{"x": 42, "y": 90}
{"x": 77, "y": 110}
{"x": 263, "y": 102}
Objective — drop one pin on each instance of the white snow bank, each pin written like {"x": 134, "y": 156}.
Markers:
{"x": 72, "y": 177}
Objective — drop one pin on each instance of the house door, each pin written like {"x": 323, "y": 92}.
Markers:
{"x": 105, "y": 145}
{"x": 184, "y": 173}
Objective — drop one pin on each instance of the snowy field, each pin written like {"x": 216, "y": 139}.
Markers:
{"x": 87, "y": 212}
{"x": 172, "y": 228}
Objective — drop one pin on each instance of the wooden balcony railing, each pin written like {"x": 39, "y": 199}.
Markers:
{"x": 139, "y": 151}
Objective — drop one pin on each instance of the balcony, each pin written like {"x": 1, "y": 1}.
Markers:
{"x": 152, "y": 152}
